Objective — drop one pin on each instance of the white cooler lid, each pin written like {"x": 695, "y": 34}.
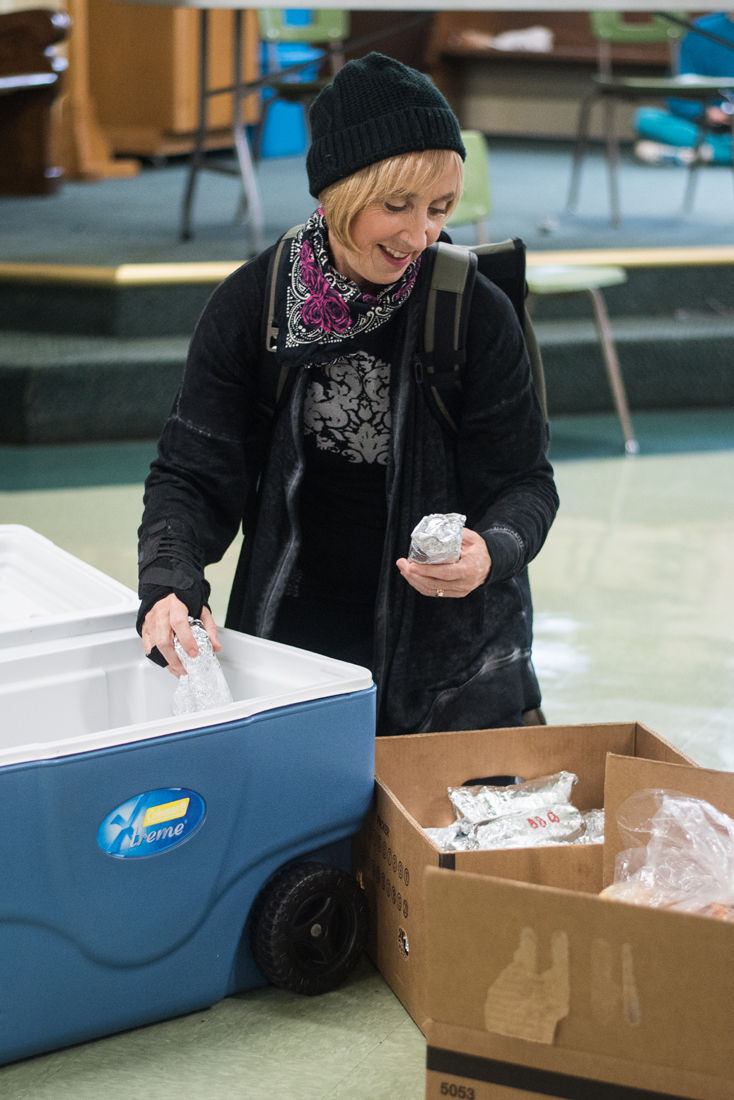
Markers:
{"x": 47, "y": 593}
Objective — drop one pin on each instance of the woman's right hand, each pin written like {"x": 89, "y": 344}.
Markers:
{"x": 169, "y": 618}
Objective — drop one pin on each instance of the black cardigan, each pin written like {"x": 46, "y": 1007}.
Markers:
{"x": 439, "y": 664}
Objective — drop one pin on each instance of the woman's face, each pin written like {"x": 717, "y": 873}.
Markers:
{"x": 390, "y": 234}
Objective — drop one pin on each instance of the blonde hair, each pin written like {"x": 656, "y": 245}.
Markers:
{"x": 402, "y": 175}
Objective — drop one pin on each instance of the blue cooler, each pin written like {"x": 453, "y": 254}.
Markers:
{"x": 153, "y": 865}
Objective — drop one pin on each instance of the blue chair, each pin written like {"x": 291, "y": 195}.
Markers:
{"x": 326, "y": 31}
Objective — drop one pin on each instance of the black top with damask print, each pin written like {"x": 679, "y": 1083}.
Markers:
{"x": 346, "y": 440}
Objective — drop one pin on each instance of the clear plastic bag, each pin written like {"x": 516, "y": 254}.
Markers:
{"x": 680, "y": 855}
{"x": 593, "y": 827}
{"x": 204, "y": 685}
{"x": 436, "y": 539}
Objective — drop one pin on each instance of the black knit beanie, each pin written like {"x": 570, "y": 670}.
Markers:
{"x": 375, "y": 108}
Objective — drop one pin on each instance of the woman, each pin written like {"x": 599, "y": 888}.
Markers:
{"x": 328, "y": 496}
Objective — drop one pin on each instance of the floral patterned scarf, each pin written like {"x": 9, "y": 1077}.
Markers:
{"x": 323, "y": 309}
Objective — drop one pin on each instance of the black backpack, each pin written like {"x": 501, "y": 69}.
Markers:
{"x": 441, "y": 353}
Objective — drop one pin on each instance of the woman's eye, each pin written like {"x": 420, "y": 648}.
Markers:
{"x": 436, "y": 213}
{"x": 394, "y": 208}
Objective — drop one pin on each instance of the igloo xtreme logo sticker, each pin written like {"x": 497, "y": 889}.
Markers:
{"x": 151, "y": 823}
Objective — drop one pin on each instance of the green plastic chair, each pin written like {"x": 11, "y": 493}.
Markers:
{"x": 608, "y": 28}
{"x": 323, "y": 26}
{"x": 325, "y": 29}
{"x": 474, "y": 206}
{"x": 548, "y": 279}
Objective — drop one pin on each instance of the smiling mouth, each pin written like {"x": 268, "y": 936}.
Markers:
{"x": 395, "y": 257}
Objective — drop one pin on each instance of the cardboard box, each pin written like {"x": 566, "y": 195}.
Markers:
{"x": 413, "y": 772}
{"x": 543, "y": 992}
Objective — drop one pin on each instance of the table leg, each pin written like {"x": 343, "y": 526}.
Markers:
{"x": 242, "y": 146}
{"x": 197, "y": 156}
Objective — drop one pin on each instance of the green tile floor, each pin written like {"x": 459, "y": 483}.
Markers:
{"x": 634, "y": 595}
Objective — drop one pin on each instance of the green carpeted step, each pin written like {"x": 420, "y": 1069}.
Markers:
{"x": 60, "y": 388}
{"x": 666, "y": 363}
{"x": 66, "y": 389}
{"x": 101, "y": 306}
{"x": 136, "y": 300}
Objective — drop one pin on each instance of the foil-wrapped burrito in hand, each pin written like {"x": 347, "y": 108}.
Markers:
{"x": 436, "y": 539}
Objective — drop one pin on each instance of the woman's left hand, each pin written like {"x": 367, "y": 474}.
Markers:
{"x": 454, "y": 579}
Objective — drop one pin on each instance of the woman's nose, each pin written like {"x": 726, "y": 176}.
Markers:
{"x": 416, "y": 231}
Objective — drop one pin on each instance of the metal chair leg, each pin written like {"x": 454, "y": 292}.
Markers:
{"x": 579, "y": 151}
{"x": 612, "y": 161}
{"x": 691, "y": 179}
{"x": 250, "y": 188}
{"x": 480, "y": 228}
{"x": 692, "y": 176}
{"x": 614, "y": 373}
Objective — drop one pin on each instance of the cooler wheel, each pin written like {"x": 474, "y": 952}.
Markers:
{"x": 309, "y": 927}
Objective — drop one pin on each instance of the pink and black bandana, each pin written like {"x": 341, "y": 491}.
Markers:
{"x": 323, "y": 308}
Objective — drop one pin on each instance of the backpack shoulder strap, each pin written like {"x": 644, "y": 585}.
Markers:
{"x": 275, "y": 380}
{"x": 504, "y": 265}
{"x": 442, "y": 352}
{"x": 452, "y": 280}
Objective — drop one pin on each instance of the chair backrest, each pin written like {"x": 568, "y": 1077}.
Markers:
{"x": 616, "y": 27}
{"x": 475, "y": 204}
{"x": 313, "y": 26}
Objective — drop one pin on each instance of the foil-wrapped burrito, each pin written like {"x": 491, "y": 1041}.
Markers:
{"x": 436, "y": 539}
{"x": 560, "y": 824}
{"x": 525, "y": 814}
{"x": 485, "y": 803}
{"x": 451, "y": 838}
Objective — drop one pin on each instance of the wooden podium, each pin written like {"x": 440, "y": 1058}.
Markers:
{"x": 144, "y": 67}
{"x": 84, "y": 149}
{"x": 132, "y": 84}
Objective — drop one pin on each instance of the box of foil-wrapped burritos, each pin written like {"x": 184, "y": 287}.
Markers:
{"x": 544, "y": 991}
{"x": 427, "y": 782}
